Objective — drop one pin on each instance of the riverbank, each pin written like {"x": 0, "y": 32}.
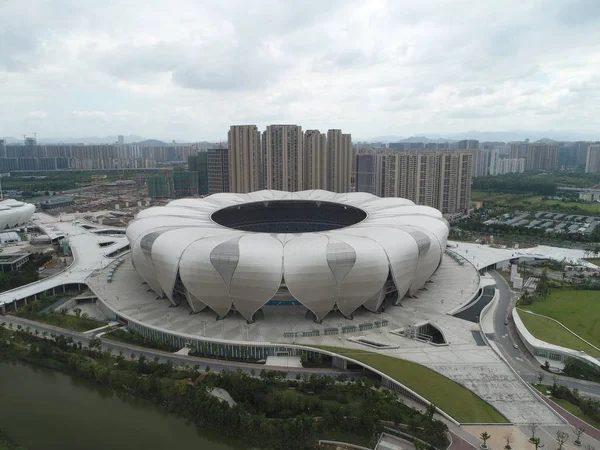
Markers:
{"x": 270, "y": 411}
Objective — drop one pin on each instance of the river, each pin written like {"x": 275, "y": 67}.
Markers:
{"x": 42, "y": 409}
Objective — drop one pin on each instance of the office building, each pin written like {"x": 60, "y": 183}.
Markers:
{"x": 339, "y": 161}
{"x": 542, "y": 157}
{"x": 245, "y": 162}
{"x": 218, "y": 170}
{"x": 315, "y": 152}
{"x": 282, "y": 156}
{"x": 592, "y": 164}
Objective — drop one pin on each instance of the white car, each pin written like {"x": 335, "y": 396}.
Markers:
{"x": 515, "y": 346}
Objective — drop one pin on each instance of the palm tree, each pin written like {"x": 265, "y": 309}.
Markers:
{"x": 536, "y": 442}
{"x": 484, "y": 437}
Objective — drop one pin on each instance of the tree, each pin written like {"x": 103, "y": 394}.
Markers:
{"x": 77, "y": 312}
{"x": 533, "y": 427}
{"x": 578, "y": 431}
{"x": 537, "y": 443}
{"x": 431, "y": 410}
{"x": 540, "y": 377}
{"x": 484, "y": 437}
{"x": 589, "y": 447}
{"x": 419, "y": 445}
{"x": 561, "y": 438}
{"x": 509, "y": 438}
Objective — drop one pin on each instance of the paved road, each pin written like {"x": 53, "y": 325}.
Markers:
{"x": 520, "y": 359}
{"x": 180, "y": 360}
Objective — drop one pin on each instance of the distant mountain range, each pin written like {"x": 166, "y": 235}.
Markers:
{"x": 491, "y": 136}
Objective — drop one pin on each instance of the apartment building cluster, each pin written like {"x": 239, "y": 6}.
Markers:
{"x": 33, "y": 156}
{"x": 286, "y": 158}
{"x": 437, "y": 178}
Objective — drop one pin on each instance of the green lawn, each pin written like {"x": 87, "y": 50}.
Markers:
{"x": 593, "y": 208}
{"x": 593, "y": 261}
{"x": 456, "y": 400}
{"x": 573, "y": 409}
{"x": 551, "y": 332}
{"x": 577, "y": 310}
{"x": 525, "y": 199}
{"x": 504, "y": 198}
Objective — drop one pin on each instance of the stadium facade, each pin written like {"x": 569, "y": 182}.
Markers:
{"x": 315, "y": 248}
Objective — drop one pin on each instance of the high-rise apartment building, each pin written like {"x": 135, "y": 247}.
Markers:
{"x": 472, "y": 145}
{"x": 542, "y": 157}
{"x": 283, "y": 157}
{"x": 217, "y": 161}
{"x": 315, "y": 152}
{"x": 339, "y": 161}
{"x": 592, "y": 164}
{"x": 519, "y": 149}
{"x": 369, "y": 172}
{"x": 245, "y": 162}
{"x": 441, "y": 179}
{"x": 2, "y": 148}
{"x": 121, "y": 140}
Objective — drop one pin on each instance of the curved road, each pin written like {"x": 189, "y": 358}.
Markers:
{"x": 520, "y": 359}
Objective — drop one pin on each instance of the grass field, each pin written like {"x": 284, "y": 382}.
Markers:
{"x": 551, "y": 332}
{"x": 573, "y": 409}
{"x": 504, "y": 198}
{"x": 456, "y": 400}
{"x": 577, "y": 310}
{"x": 523, "y": 200}
{"x": 594, "y": 261}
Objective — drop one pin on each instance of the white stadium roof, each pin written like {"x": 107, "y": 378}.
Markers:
{"x": 14, "y": 213}
{"x": 321, "y": 249}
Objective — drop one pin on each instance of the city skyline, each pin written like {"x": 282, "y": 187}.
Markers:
{"x": 375, "y": 68}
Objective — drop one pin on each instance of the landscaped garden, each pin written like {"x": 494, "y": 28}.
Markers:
{"x": 454, "y": 399}
{"x": 578, "y": 310}
{"x": 551, "y": 332}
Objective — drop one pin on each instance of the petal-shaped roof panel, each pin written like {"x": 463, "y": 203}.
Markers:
{"x": 307, "y": 273}
{"x": 368, "y": 272}
{"x": 378, "y": 204}
{"x": 168, "y": 248}
{"x": 200, "y": 276}
{"x": 355, "y": 198}
{"x": 256, "y": 279}
{"x": 400, "y": 248}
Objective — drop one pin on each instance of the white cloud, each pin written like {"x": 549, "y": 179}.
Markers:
{"x": 371, "y": 67}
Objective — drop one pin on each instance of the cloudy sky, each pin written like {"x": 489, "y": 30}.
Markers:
{"x": 182, "y": 69}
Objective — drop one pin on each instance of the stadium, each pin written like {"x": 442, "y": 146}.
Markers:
{"x": 314, "y": 249}
{"x": 14, "y": 213}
